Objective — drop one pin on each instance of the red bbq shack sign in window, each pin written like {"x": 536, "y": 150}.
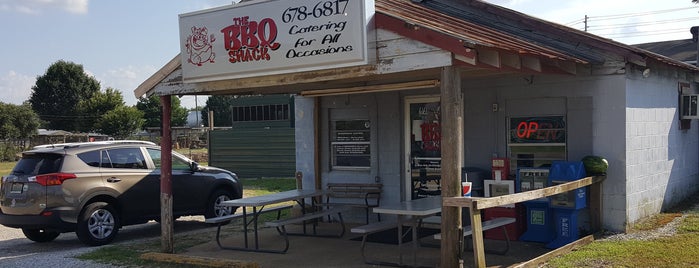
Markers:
{"x": 273, "y": 37}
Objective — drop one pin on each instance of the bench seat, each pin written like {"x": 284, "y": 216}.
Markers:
{"x": 302, "y": 218}
{"x": 281, "y": 224}
{"x": 487, "y": 225}
{"x": 374, "y": 227}
{"x": 223, "y": 220}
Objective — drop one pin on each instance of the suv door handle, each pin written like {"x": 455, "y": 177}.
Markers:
{"x": 113, "y": 179}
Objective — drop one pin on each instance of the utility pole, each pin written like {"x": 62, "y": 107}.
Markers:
{"x": 586, "y": 23}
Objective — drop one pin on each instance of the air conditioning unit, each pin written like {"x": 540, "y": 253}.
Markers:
{"x": 688, "y": 109}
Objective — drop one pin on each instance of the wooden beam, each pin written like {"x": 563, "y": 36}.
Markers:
{"x": 452, "y": 105}
{"x": 477, "y": 238}
{"x": 167, "y": 232}
{"x": 538, "y": 261}
{"x": 425, "y": 35}
{"x": 246, "y": 84}
{"x": 371, "y": 88}
{"x": 483, "y": 203}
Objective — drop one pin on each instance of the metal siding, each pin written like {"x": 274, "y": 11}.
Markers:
{"x": 254, "y": 153}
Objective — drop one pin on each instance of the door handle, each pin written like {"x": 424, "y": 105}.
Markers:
{"x": 113, "y": 179}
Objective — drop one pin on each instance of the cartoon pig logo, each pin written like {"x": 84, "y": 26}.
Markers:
{"x": 199, "y": 46}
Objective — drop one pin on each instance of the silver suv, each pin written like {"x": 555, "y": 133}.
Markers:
{"x": 96, "y": 188}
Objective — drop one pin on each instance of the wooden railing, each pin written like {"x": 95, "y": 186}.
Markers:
{"x": 477, "y": 204}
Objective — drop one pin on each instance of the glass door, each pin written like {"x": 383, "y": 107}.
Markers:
{"x": 423, "y": 136}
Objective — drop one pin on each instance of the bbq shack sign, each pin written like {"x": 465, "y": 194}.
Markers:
{"x": 275, "y": 36}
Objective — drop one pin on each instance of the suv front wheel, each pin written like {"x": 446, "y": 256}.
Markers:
{"x": 214, "y": 207}
{"x": 98, "y": 224}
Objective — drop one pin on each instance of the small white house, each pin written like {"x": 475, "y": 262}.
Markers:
{"x": 372, "y": 83}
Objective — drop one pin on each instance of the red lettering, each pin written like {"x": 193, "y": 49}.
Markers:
{"x": 267, "y": 33}
{"x": 247, "y": 40}
{"x": 522, "y": 130}
{"x": 431, "y": 136}
{"x": 248, "y": 35}
{"x": 230, "y": 37}
{"x": 533, "y": 127}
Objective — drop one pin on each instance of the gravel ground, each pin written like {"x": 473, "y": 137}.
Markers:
{"x": 17, "y": 251}
{"x": 669, "y": 229}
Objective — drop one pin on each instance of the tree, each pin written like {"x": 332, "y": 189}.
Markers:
{"x": 121, "y": 122}
{"x": 98, "y": 105}
{"x": 221, "y": 105}
{"x": 152, "y": 112}
{"x": 17, "y": 121}
{"x": 56, "y": 94}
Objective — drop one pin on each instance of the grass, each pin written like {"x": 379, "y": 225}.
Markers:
{"x": 6, "y": 167}
{"x": 679, "y": 250}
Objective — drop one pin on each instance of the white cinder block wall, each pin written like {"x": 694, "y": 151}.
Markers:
{"x": 662, "y": 161}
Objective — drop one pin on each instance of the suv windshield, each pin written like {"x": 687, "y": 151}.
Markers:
{"x": 35, "y": 164}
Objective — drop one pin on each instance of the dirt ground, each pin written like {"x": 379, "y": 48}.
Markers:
{"x": 305, "y": 251}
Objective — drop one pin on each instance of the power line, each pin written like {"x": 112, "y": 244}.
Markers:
{"x": 632, "y": 24}
{"x": 623, "y": 29}
{"x": 627, "y": 15}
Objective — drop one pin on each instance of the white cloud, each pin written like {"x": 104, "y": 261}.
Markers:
{"x": 15, "y": 88}
{"x": 38, "y": 6}
{"x": 126, "y": 79}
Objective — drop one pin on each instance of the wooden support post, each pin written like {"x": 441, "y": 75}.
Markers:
{"x": 452, "y": 154}
{"x": 166, "y": 219}
{"x": 477, "y": 237}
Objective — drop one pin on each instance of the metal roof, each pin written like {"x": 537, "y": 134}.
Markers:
{"x": 490, "y": 26}
{"x": 470, "y": 27}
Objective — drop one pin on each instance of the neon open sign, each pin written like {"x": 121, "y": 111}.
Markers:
{"x": 548, "y": 129}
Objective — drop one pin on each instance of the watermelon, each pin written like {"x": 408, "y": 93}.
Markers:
{"x": 595, "y": 165}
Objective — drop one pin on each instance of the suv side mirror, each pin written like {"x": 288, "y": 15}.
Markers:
{"x": 194, "y": 166}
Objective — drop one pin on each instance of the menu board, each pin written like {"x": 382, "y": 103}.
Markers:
{"x": 351, "y": 144}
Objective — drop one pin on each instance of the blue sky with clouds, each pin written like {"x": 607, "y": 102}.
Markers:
{"x": 122, "y": 43}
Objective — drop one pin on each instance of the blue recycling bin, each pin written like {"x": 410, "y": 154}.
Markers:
{"x": 566, "y": 206}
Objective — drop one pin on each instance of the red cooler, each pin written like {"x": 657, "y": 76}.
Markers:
{"x": 514, "y": 230}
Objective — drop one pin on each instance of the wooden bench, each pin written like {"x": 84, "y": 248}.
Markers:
{"x": 487, "y": 225}
{"x": 281, "y": 224}
{"x": 223, "y": 220}
{"x": 361, "y": 195}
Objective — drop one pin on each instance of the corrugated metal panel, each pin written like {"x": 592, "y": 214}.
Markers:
{"x": 467, "y": 31}
{"x": 492, "y": 26}
{"x": 254, "y": 153}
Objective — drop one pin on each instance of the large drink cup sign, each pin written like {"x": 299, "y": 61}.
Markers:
{"x": 466, "y": 189}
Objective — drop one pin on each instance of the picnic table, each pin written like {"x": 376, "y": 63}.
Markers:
{"x": 409, "y": 213}
{"x": 258, "y": 203}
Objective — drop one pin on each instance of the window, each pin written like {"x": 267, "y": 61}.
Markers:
{"x": 35, "y": 164}
{"x": 92, "y": 158}
{"x": 536, "y": 141}
{"x": 177, "y": 162}
{"x": 270, "y": 112}
{"x": 155, "y": 156}
{"x": 350, "y": 142}
{"x": 126, "y": 158}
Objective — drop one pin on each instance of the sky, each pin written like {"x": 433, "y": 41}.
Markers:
{"x": 122, "y": 43}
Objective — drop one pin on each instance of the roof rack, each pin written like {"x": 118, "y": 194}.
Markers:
{"x": 78, "y": 144}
